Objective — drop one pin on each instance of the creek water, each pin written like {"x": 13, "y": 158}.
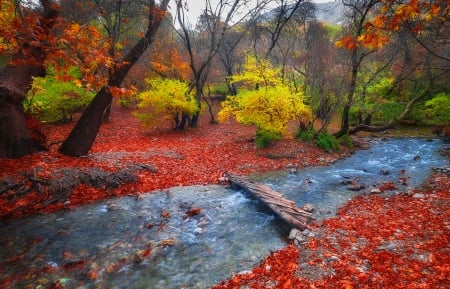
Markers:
{"x": 152, "y": 241}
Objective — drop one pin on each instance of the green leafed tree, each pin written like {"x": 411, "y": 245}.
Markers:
{"x": 436, "y": 111}
{"x": 53, "y": 101}
{"x": 165, "y": 100}
{"x": 264, "y": 100}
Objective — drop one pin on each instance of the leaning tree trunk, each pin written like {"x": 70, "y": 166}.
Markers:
{"x": 83, "y": 135}
{"x": 393, "y": 122}
{"x": 15, "y": 81}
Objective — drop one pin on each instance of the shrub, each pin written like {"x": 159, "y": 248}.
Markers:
{"x": 437, "y": 110}
{"x": 52, "y": 101}
{"x": 327, "y": 142}
{"x": 346, "y": 141}
{"x": 264, "y": 138}
{"x": 305, "y": 134}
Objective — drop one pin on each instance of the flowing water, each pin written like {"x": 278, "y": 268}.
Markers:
{"x": 152, "y": 241}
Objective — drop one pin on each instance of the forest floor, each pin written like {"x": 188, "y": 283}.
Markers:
{"x": 127, "y": 159}
{"x": 375, "y": 241}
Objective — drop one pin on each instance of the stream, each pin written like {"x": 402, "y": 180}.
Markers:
{"x": 157, "y": 241}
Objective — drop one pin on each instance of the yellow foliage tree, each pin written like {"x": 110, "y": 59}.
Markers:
{"x": 266, "y": 102}
{"x": 166, "y": 99}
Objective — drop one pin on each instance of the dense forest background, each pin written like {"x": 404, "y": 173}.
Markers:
{"x": 286, "y": 67}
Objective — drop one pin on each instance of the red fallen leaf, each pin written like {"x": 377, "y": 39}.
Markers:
{"x": 165, "y": 214}
{"x": 287, "y": 284}
{"x": 192, "y": 212}
{"x": 93, "y": 275}
{"x": 149, "y": 225}
{"x": 112, "y": 267}
{"x": 347, "y": 284}
{"x": 68, "y": 256}
{"x": 389, "y": 186}
{"x": 312, "y": 244}
{"x": 146, "y": 253}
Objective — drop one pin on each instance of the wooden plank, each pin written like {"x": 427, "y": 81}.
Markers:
{"x": 283, "y": 207}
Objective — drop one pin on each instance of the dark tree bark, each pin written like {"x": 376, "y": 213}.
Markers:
{"x": 15, "y": 81}
{"x": 83, "y": 135}
{"x": 358, "y": 14}
{"x": 216, "y": 24}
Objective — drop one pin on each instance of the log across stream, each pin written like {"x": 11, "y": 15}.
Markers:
{"x": 286, "y": 209}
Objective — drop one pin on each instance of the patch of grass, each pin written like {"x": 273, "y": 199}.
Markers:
{"x": 346, "y": 141}
{"x": 264, "y": 138}
{"x": 327, "y": 142}
{"x": 305, "y": 135}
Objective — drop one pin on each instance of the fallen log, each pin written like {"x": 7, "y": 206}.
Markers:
{"x": 286, "y": 209}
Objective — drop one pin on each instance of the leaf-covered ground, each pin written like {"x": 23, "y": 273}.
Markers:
{"x": 376, "y": 241}
{"x": 161, "y": 158}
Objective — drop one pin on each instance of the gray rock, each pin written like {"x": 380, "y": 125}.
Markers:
{"x": 294, "y": 232}
{"x": 375, "y": 191}
{"x": 308, "y": 207}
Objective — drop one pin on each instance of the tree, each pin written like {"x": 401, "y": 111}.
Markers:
{"x": 322, "y": 67}
{"x": 213, "y": 30}
{"x": 264, "y": 100}
{"x": 165, "y": 99}
{"x": 29, "y": 52}
{"x": 417, "y": 76}
{"x": 118, "y": 19}
{"x": 82, "y": 137}
{"x": 33, "y": 40}
{"x": 358, "y": 15}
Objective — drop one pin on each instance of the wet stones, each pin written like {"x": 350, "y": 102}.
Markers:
{"x": 375, "y": 191}
{"x": 444, "y": 170}
{"x": 300, "y": 237}
{"x": 308, "y": 208}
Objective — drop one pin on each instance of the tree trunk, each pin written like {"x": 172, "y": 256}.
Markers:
{"x": 83, "y": 135}
{"x": 15, "y": 81}
{"x": 198, "y": 96}
{"x": 107, "y": 113}
{"x": 80, "y": 140}
{"x": 15, "y": 138}
{"x": 346, "y": 112}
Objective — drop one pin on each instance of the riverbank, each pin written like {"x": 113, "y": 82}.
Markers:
{"x": 129, "y": 160}
{"x": 399, "y": 241}
{"x": 370, "y": 233}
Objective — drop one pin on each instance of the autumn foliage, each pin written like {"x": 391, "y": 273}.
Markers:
{"x": 191, "y": 157}
{"x": 66, "y": 44}
{"x": 390, "y": 15}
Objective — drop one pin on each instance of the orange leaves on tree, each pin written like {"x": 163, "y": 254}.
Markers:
{"x": 121, "y": 91}
{"x": 370, "y": 40}
{"x": 347, "y": 42}
{"x": 391, "y": 16}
